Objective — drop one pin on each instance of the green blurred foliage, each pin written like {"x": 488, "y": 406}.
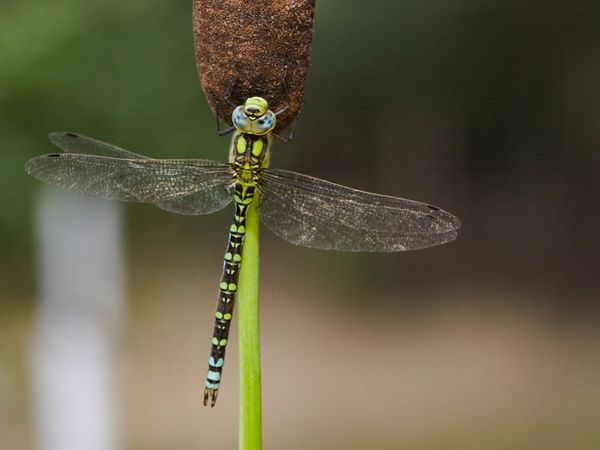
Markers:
{"x": 121, "y": 71}
{"x": 486, "y": 108}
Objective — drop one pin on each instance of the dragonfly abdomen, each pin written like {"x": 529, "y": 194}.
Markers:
{"x": 243, "y": 198}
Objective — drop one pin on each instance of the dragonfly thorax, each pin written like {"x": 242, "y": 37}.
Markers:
{"x": 246, "y": 175}
{"x": 254, "y": 117}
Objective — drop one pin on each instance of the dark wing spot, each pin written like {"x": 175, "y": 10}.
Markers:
{"x": 261, "y": 121}
{"x": 435, "y": 208}
{"x": 72, "y": 135}
{"x": 54, "y": 155}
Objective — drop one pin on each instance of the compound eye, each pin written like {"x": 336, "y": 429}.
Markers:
{"x": 265, "y": 123}
{"x": 240, "y": 120}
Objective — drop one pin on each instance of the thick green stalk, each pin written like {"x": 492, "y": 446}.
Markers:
{"x": 250, "y": 434}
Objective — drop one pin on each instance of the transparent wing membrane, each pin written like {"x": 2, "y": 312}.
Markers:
{"x": 77, "y": 143}
{"x": 180, "y": 186}
{"x": 301, "y": 209}
{"x": 315, "y": 213}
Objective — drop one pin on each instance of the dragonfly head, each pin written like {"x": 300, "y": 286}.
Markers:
{"x": 254, "y": 117}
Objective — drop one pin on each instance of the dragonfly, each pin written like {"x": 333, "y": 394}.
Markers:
{"x": 301, "y": 209}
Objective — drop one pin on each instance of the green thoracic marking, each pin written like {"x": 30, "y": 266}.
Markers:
{"x": 241, "y": 144}
{"x": 300, "y": 209}
{"x": 257, "y": 148}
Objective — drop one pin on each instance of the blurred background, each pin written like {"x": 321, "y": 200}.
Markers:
{"x": 489, "y": 109}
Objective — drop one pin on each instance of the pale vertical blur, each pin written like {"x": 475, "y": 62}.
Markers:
{"x": 77, "y": 324}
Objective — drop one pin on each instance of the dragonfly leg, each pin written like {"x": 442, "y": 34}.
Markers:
{"x": 227, "y": 96}
{"x": 225, "y": 131}
{"x": 285, "y": 91}
{"x": 290, "y": 136}
{"x": 220, "y": 131}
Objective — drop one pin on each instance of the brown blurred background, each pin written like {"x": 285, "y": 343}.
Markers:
{"x": 488, "y": 109}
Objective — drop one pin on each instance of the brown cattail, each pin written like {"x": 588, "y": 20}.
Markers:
{"x": 247, "y": 48}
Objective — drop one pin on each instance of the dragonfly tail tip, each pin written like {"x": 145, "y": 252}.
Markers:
{"x": 212, "y": 394}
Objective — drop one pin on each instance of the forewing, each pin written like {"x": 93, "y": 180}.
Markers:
{"x": 315, "y": 213}
{"x": 77, "y": 143}
{"x": 180, "y": 186}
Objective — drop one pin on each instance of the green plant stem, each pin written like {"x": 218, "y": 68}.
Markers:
{"x": 250, "y": 434}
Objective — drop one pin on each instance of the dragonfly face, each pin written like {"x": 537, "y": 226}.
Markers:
{"x": 254, "y": 117}
{"x": 255, "y": 106}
